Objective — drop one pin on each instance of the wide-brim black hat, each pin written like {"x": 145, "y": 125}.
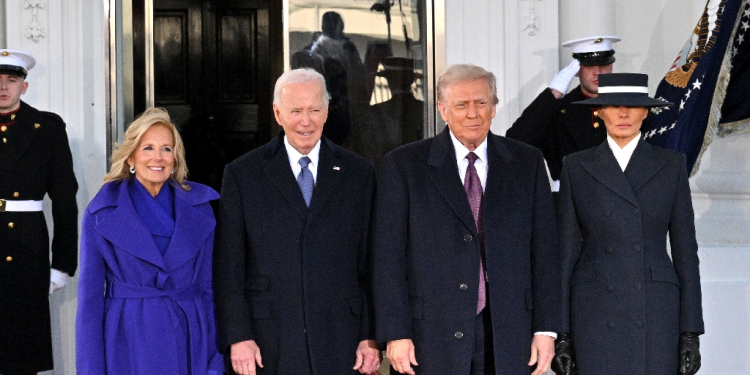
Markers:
{"x": 624, "y": 89}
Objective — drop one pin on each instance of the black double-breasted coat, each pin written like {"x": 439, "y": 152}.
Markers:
{"x": 35, "y": 161}
{"x": 625, "y": 302}
{"x": 558, "y": 127}
{"x": 426, "y": 254}
{"x": 293, "y": 278}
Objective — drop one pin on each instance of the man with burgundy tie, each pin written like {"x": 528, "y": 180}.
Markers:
{"x": 465, "y": 258}
{"x": 290, "y": 263}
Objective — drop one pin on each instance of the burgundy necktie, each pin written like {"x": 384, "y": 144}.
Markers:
{"x": 473, "y": 188}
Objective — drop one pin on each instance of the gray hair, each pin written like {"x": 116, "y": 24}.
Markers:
{"x": 462, "y": 73}
{"x": 303, "y": 75}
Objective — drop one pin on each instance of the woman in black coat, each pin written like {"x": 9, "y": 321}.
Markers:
{"x": 628, "y": 308}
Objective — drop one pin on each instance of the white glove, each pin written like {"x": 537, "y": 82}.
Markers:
{"x": 57, "y": 280}
{"x": 561, "y": 81}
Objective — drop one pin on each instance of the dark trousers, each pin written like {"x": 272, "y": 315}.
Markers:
{"x": 483, "y": 359}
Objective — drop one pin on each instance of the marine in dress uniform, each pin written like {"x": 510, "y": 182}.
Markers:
{"x": 35, "y": 160}
{"x": 551, "y": 123}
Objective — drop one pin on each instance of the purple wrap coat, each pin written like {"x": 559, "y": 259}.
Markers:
{"x": 141, "y": 312}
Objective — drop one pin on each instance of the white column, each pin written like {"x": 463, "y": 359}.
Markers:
{"x": 68, "y": 41}
{"x": 721, "y": 199}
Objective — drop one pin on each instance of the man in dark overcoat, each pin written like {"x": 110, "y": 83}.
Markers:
{"x": 290, "y": 264}
{"x": 551, "y": 123}
{"x": 465, "y": 257}
{"x": 35, "y": 161}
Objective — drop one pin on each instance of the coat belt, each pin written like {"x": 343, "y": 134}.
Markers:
{"x": 20, "y": 206}
{"x": 124, "y": 290}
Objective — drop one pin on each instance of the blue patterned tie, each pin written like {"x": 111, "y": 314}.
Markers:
{"x": 305, "y": 180}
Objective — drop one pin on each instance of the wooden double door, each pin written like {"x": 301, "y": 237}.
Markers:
{"x": 214, "y": 65}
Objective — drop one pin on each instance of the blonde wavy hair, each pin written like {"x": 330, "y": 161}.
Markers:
{"x": 120, "y": 169}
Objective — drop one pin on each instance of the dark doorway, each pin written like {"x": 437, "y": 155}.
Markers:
{"x": 214, "y": 64}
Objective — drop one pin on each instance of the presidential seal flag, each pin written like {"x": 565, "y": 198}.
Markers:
{"x": 707, "y": 83}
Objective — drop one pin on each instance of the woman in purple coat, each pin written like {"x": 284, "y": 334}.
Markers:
{"x": 145, "y": 301}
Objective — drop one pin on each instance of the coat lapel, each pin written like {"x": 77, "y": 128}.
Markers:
{"x": 125, "y": 229}
{"x": 191, "y": 228}
{"x": 330, "y": 169}
{"x": 498, "y": 192}
{"x": 279, "y": 172}
{"x": 605, "y": 169}
{"x": 443, "y": 172}
{"x": 642, "y": 165}
{"x": 23, "y": 135}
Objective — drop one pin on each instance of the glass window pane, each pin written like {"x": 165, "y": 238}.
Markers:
{"x": 372, "y": 54}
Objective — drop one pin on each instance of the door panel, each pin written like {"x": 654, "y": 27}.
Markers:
{"x": 213, "y": 71}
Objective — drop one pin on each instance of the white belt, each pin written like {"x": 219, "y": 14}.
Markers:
{"x": 20, "y": 206}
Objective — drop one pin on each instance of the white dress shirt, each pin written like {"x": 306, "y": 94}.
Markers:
{"x": 294, "y": 157}
{"x": 463, "y": 163}
{"x": 482, "y": 166}
{"x": 624, "y": 154}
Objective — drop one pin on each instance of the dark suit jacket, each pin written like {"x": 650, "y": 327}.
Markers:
{"x": 35, "y": 161}
{"x": 291, "y": 278}
{"x": 625, "y": 302}
{"x": 426, "y": 257}
{"x": 558, "y": 127}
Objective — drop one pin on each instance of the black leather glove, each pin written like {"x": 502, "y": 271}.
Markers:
{"x": 563, "y": 362}
{"x": 690, "y": 355}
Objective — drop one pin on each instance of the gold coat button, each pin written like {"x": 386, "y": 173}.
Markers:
{"x": 9, "y": 259}
{"x": 596, "y": 113}
{"x": 11, "y": 225}
{"x": 596, "y": 125}
{"x": 36, "y": 126}
{"x": 5, "y": 140}
{"x": 562, "y": 111}
{"x": 16, "y": 194}
{"x": 3, "y": 128}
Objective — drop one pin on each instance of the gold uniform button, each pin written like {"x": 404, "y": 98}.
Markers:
{"x": 9, "y": 259}
{"x": 562, "y": 111}
{"x": 596, "y": 125}
{"x": 11, "y": 225}
{"x": 37, "y": 126}
{"x": 5, "y": 140}
{"x": 15, "y": 194}
{"x": 3, "y": 128}
{"x": 596, "y": 113}
{"x": 12, "y": 117}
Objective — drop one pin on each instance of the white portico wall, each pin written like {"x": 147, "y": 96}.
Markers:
{"x": 491, "y": 34}
{"x": 68, "y": 79}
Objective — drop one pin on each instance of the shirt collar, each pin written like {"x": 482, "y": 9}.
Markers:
{"x": 462, "y": 151}
{"x": 294, "y": 155}
{"x": 624, "y": 154}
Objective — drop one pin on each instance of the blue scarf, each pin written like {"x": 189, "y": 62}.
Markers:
{"x": 156, "y": 212}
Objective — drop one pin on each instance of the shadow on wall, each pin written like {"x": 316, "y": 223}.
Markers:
{"x": 527, "y": 92}
{"x": 89, "y": 171}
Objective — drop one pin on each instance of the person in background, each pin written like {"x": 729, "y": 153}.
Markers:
{"x": 551, "y": 123}
{"x": 465, "y": 259}
{"x": 145, "y": 297}
{"x": 35, "y": 160}
{"x": 290, "y": 271}
{"x": 628, "y": 308}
